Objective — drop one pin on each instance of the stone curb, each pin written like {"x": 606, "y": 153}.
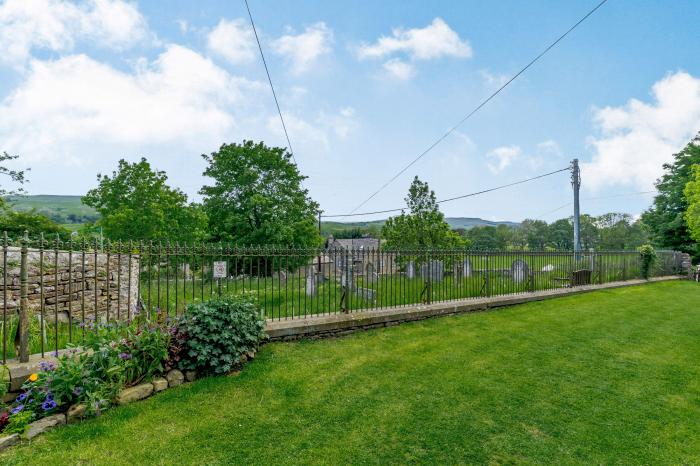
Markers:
{"x": 320, "y": 326}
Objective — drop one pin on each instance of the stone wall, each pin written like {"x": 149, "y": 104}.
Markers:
{"x": 64, "y": 289}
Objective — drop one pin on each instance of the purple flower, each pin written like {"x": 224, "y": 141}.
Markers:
{"x": 124, "y": 356}
{"x": 48, "y": 405}
{"x": 17, "y": 409}
{"x": 49, "y": 396}
{"x": 54, "y": 354}
{"x": 22, "y": 397}
{"x": 77, "y": 391}
{"x": 47, "y": 366}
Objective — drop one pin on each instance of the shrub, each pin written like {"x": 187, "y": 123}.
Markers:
{"x": 130, "y": 353}
{"x": 648, "y": 260}
{"x": 219, "y": 332}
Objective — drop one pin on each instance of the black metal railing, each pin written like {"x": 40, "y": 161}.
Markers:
{"x": 53, "y": 288}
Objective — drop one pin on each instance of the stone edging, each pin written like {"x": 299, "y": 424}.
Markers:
{"x": 320, "y": 326}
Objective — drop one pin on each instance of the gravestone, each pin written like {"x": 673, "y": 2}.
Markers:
{"x": 186, "y": 272}
{"x": 466, "y": 268}
{"x": 370, "y": 274}
{"x": 347, "y": 278}
{"x": 280, "y": 277}
{"x": 519, "y": 271}
{"x": 433, "y": 270}
{"x": 310, "y": 280}
{"x": 456, "y": 271}
{"x": 411, "y": 270}
{"x": 368, "y": 294}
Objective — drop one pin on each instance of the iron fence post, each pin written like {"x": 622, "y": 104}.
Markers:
{"x": 23, "y": 329}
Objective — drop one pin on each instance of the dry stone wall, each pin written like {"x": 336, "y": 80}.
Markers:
{"x": 66, "y": 284}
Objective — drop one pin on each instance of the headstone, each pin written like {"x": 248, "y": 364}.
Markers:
{"x": 368, "y": 294}
{"x": 370, "y": 274}
{"x": 432, "y": 270}
{"x": 411, "y": 270}
{"x": 347, "y": 278}
{"x": 519, "y": 271}
{"x": 466, "y": 268}
{"x": 310, "y": 280}
{"x": 280, "y": 277}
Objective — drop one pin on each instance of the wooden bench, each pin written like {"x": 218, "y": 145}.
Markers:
{"x": 577, "y": 278}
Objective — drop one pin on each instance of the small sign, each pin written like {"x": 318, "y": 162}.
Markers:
{"x": 219, "y": 269}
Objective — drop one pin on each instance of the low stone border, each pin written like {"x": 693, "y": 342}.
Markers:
{"x": 322, "y": 326}
{"x": 77, "y": 413}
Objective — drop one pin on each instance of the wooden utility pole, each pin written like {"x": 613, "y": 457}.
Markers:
{"x": 576, "y": 184}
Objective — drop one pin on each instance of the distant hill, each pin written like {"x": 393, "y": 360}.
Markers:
{"x": 66, "y": 210}
{"x": 372, "y": 227}
{"x": 471, "y": 222}
{"x": 69, "y": 210}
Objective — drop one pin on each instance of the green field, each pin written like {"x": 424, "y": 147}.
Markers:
{"x": 609, "y": 377}
{"x": 66, "y": 210}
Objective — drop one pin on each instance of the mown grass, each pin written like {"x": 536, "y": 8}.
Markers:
{"x": 610, "y": 377}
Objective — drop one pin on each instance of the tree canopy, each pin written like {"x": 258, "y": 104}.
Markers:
{"x": 136, "y": 203}
{"x": 424, "y": 226}
{"x": 257, "y": 197}
{"x": 666, "y": 218}
{"x": 692, "y": 195}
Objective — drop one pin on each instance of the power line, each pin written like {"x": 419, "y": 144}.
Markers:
{"x": 269, "y": 79}
{"x": 478, "y": 107}
{"x": 595, "y": 199}
{"x": 454, "y": 198}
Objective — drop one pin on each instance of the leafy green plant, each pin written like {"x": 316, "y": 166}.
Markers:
{"x": 128, "y": 353}
{"x": 219, "y": 332}
{"x": 18, "y": 422}
{"x": 648, "y": 260}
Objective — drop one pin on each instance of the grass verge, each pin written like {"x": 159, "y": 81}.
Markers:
{"x": 605, "y": 377}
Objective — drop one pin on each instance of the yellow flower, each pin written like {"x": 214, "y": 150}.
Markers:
{"x": 33, "y": 377}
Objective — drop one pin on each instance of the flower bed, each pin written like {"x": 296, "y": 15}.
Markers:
{"x": 120, "y": 363}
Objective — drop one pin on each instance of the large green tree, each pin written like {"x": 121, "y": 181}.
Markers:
{"x": 619, "y": 231}
{"x": 424, "y": 226}
{"x": 666, "y": 219}
{"x": 692, "y": 195}
{"x": 257, "y": 197}
{"x": 135, "y": 203}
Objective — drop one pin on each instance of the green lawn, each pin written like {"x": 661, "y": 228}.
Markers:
{"x": 601, "y": 378}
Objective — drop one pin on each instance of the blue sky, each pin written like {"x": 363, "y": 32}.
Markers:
{"x": 364, "y": 87}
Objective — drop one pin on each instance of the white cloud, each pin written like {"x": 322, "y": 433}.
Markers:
{"x": 433, "y": 41}
{"x": 302, "y": 50}
{"x": 314, "y": 136}
{"x": 232, "y": 40}
{"x": 636, "y": 139}
{"x": 75, "y": 105}
{"x": 57, "y": 24}
{"x": 399, "y": 69}
{"x": 549, "y": 147}
{"x": 343, "y": 123}
{"x": 493, "y": 80}
{"x": 503, "y": 157}
{"x": 183, "y": 25}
